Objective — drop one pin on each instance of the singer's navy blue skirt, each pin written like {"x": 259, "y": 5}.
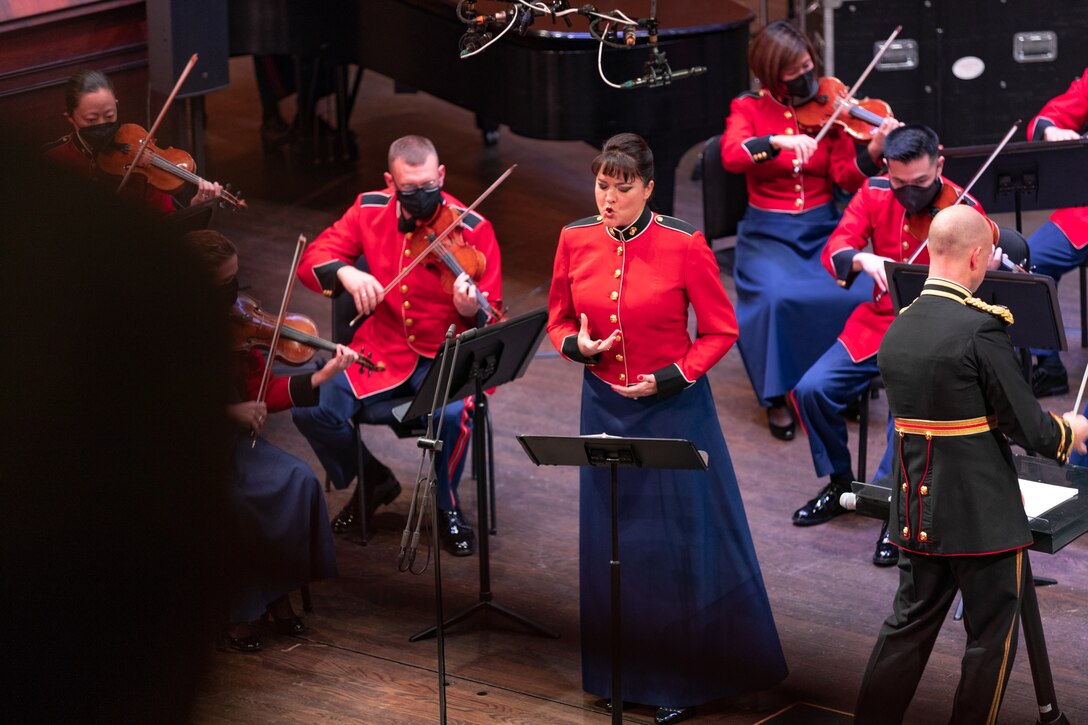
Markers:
{"x": 697, "y": 624}
{"x": 789, "y": 308}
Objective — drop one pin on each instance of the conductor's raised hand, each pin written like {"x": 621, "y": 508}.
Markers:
{"x": 590, "y": 347}
{"x": 1080, "y": 431}
{"x": 363, "y": 288}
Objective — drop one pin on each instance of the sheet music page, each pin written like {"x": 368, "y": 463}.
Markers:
{"x": 1042, "y": 497}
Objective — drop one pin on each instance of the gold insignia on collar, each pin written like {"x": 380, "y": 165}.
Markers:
{"x": 1001, "y": 312}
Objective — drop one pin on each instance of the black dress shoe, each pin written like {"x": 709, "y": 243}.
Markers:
{"x": 886, "y": 553}
{"x": 286, "y": 625}
{"x": 782, "y": 432}
{"x": 243, "y": 638}
{"x": 824, "y": 507}
{"x": 458, "y": 538}
{"x": 669, "y": 715}
{"x": 380, "y": 494}
{"x": 1045, "y": 383}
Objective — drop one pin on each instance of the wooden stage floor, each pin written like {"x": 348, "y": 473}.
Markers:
{"x": 355, "y": 663}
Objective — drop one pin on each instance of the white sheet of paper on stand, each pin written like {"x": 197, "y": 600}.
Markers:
{"x": 1042, "y": 497}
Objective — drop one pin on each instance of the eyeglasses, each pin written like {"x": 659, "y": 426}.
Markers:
{"x": 410, "y": 189}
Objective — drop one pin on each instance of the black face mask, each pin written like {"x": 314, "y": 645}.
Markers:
{"x": 803, "y": 87}
{"x": 99, "y": 137}
{"x": 420, "y": 204}
{"x": 916, "y": 198}
{"x": 227, "y": 294}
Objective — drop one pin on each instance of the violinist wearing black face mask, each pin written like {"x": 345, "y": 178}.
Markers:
{"x": 405, "y": 325}
{"x": 887, "y": 220}
{"x": 788, "y": 310}
{"x": 92, "y": 113}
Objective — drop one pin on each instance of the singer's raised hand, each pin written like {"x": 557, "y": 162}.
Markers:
{"x": 590, "y": 347}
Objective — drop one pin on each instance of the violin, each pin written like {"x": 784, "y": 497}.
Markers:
{"x": 165, "y": 169}
{"x": 252, "y": 327}
{"x": 453, "y": 257}
{"x": 858, "y": 119}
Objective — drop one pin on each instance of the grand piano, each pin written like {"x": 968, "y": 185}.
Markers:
{"x": 544, "y": 84}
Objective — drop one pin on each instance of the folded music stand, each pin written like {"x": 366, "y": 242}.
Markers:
{"x": 605, "y": 450}
{"x": 1039, "y": 175}
{"x": 489, "y": 357}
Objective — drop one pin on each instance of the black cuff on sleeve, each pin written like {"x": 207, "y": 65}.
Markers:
{"x": 303, "y": 392}
{"x": 843, "y": 262}
{"x": 326, "y": 275}
{"x": 570, "y": 350}
{"x": 670, "y": 381}
{"x": 865, "y": 162}
{"x": 1037, "y": 133}
{"x": 760, "y": 149}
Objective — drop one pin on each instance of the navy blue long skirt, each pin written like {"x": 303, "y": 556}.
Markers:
{"x": 697, "y": 625}
{"x": 789, "y": 309}
{"x": 282, "y": 537}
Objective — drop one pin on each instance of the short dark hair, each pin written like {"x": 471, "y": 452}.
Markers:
{"x": 210, "y": 247}
{"x": 775, "y": 48}
{"x": 413, "y": 150}
{"x": 911, "y": 142}
{"x": 82, "y": 83}
{"x": 625, "y": 156}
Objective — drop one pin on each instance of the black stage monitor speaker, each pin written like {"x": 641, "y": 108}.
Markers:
{"x": 178, "y": 28}
{"x": 967, "y": 68}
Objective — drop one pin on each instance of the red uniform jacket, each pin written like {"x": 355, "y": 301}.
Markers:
{"x": 775, "y": 182}
{"x": 70, "y": 154}
{"x": 412, "y": 320}
{"x": 283, "y": 393}
{"x": 640, "y": 282}
{"x": 1069, "y": 110}
{"x": 873, "y": 216}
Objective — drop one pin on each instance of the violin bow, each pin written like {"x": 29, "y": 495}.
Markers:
{"x": 438, "y": 240}
{"x": 978, "y": 174}
{"x": 279, "y": 325}
{"x": 155, "y": 126}
{"x": 841, "y": 105}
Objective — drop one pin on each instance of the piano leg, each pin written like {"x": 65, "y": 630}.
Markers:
{"x": 489, "y": 129}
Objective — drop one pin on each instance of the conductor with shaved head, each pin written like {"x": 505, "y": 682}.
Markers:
{"x": 957, "y": 393}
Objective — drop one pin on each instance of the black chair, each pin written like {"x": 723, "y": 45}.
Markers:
{"x": 725, "y": 194}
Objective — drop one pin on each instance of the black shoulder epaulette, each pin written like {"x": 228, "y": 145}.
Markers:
{"x": 54, "y": 144}
{"x": 586, "y": 222}
{"x": 1001, "y": 312}
{"x": 879, "y": 182}
{"x": 375, "y": 198}
{"x": 671, "y": 222}
{"x": 470, "y": 220}
{"x": 749, "y": 94}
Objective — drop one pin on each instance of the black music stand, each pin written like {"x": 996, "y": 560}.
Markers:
{"x": 488, "y": 357}
{"x": 1025, "y": 175}
{"x": 1032, "y": 299}
{"x": 605, "y": 450}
